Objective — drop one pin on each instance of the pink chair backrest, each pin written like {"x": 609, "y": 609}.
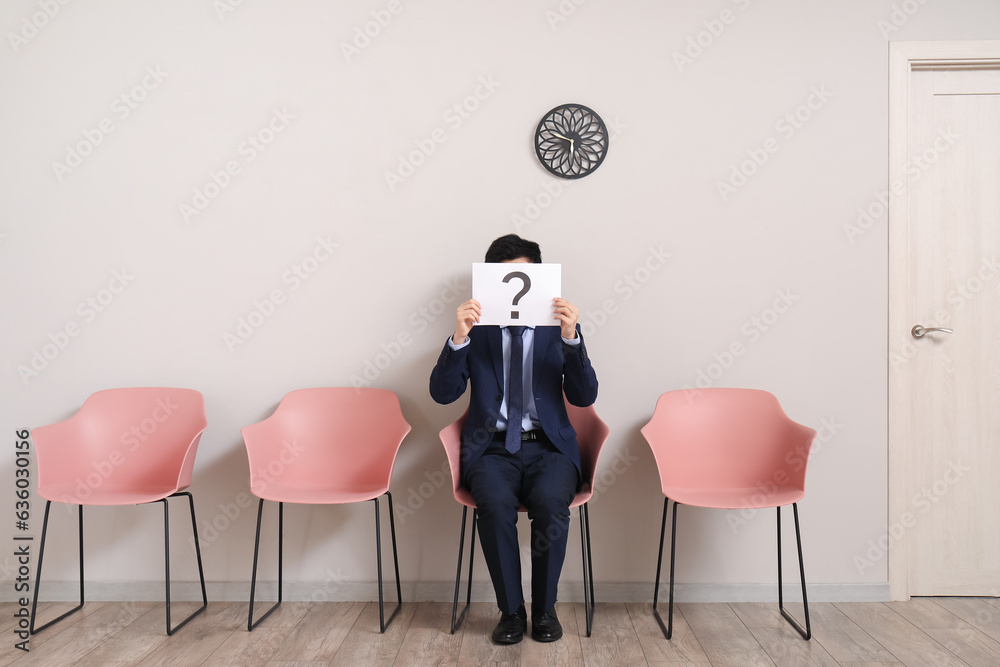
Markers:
{"x": 722, "y": 438}
{"x": 451, "y": 438}
{"x": 340, "y": 438}
{"x": 591, "y": 434}
{"x": 132, "y": 439}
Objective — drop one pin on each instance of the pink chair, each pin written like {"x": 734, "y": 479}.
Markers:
{"x": 326, "y": 446}
{"x": 591, "y": 434}
{"x": 123, "y": 447}
{"x": 728, "y": 448}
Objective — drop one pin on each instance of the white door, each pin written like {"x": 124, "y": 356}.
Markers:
{"x": 945, "y": 274}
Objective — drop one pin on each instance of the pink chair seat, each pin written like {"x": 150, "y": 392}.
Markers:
{"x": 318, "y": 495}
{"x": 583, "y": 496}
{"x": 734, "y": 498}
{"x": 464, "y": 497}
{"x": 66, "y": 493}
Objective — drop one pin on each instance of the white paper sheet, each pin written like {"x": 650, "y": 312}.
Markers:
{"x": 526, "y": 297}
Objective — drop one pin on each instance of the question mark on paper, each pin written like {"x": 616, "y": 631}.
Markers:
{"x": 524, "y": 290}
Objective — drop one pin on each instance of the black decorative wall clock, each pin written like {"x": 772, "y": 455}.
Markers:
{"x": 571, "y": 141}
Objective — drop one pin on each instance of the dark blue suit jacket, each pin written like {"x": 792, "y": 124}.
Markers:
{"x": 557, "y": 368}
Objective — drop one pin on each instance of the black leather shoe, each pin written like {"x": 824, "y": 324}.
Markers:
{"x": 545, "y": 627}
{"x": 511, "y": 628}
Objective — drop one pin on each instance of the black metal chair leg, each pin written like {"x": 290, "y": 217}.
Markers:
{"x": 197, "y": 549}
{"x": 166, "y": 560}
{"x": 590, "y": 559}
{"x": 807, "y": 631}
{"x": 395, "y": 558}
{"x": 456, "y": 623}
{"x": 472, "y": 557}
{"x": 456, "y": 620}
{"x": 256, "y": 547}
{"x": 668, "y": 628}
{"x": 588, "y": 567}
{"x": 38, "y": 574}
{"x": 673, "y": 557}
{"x": 383, "y": 624}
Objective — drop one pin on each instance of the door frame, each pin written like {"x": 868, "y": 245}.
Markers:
{"x": 904, "y": 59}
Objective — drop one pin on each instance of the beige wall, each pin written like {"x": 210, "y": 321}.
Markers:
{"x": 168, "y": 94}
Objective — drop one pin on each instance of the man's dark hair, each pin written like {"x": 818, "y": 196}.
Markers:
{"x": 511, "y": 247}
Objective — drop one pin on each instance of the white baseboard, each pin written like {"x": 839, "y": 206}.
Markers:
{"x": 439, "y": 591}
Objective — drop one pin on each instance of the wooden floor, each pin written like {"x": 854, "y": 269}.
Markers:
{"x": 923, "y": 631}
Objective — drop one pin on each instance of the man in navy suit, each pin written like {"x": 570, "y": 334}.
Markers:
{"x": 518, "y": 446}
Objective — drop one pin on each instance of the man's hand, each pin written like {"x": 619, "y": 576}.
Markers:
{"x": 467, "y": 315}
{"x": 567, "y": 315}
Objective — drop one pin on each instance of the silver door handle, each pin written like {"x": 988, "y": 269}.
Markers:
{"x": 920, "y": 331}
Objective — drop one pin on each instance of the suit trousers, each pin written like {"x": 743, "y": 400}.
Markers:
{"x": 544, "y": 481}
